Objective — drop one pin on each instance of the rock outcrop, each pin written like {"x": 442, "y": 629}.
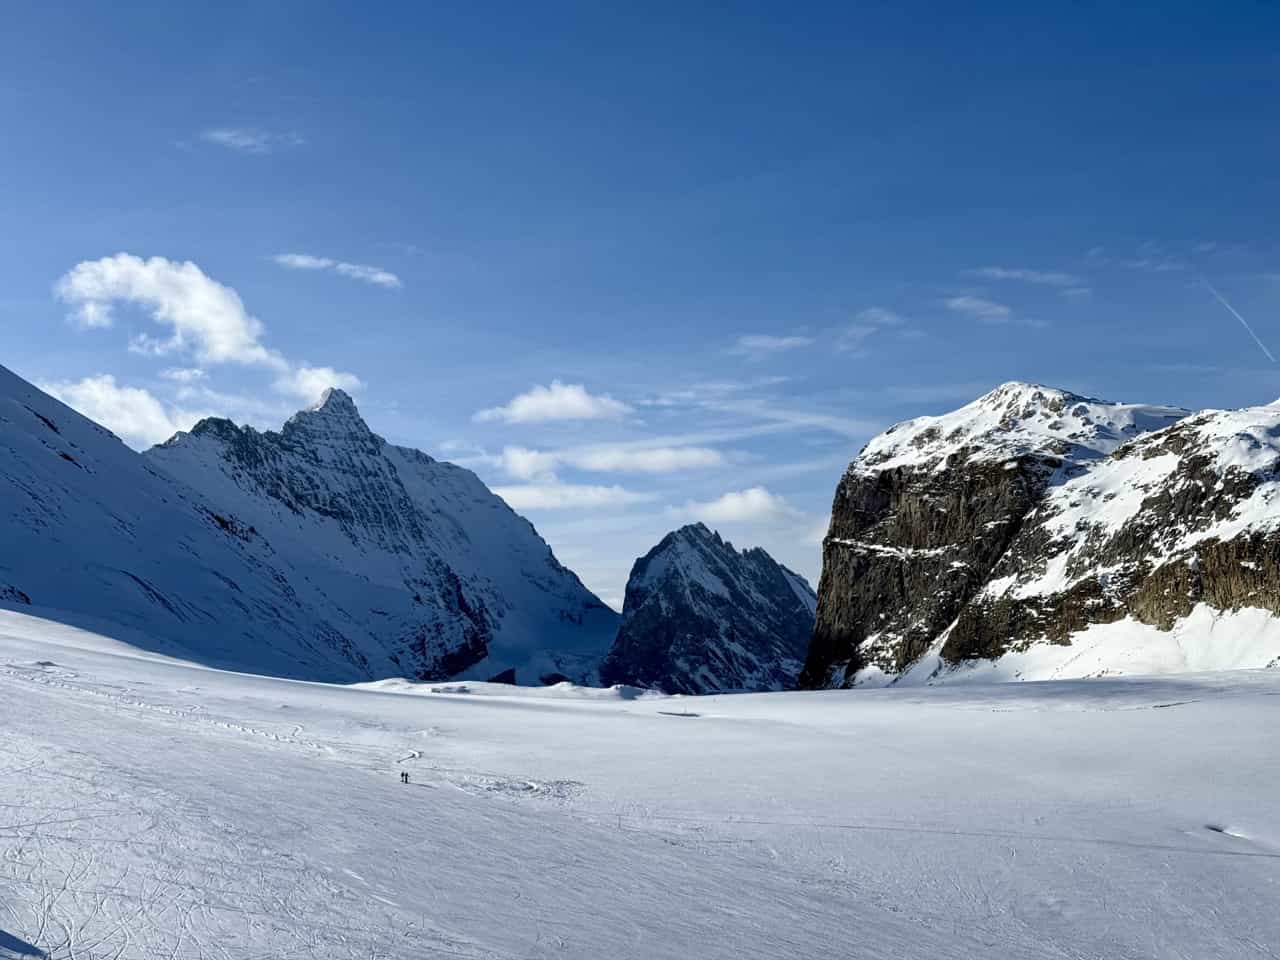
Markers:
{"x": 700, "y": 617}
{"x": 1031, "y": 518}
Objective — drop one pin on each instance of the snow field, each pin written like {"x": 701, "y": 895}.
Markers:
{"x": 152, "y": 808}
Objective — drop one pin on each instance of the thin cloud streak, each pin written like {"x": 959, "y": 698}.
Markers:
{"x": 363, "y": 272}
{"x": 1243, "y": 322}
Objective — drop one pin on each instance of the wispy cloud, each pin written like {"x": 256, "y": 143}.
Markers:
{"x": 568, "y": 496}
{"x": 366, "y": 273}
{"x": 988, "y": 311}
{"x": 183, "y": 374}
{"x": 250, "y": 139}
{"x": 761, "y": 345}
{"x": 1150, "y": 257}
{"x": 559, "y": 401}
{"x": 979, "y": 308}
{"x": 1066, "y": 284}
{"x": 529, "y": 464}
{"x": 866, "y": 324}
{"x": 1045, "y": 278}
{"x": 710, "y": 390}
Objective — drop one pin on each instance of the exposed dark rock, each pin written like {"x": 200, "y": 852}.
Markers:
{"x": 700, "y": 617}
{"x": 11, "y": 594}
{"x": 1032, "y": 514}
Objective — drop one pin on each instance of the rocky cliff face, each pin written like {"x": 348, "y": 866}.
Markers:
{"x": 431, "y": 569}
{"x": 319, "y": 552}
{"x": 700, "y": 617}
{"x": 1183, "y": 519}
{"x": 1031, "y": 517}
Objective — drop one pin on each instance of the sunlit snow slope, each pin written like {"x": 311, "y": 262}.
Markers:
{"x": 156, "y": 809}
{"x": 318, "y": 552}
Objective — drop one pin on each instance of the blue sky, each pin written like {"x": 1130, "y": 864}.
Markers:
{"x": 725, "y": 243}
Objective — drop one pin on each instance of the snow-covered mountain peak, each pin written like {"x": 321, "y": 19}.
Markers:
{"x": 334, "y": 399}
{"x": 418, "y": 553}
{"x": 334, "y": 417}
{"x": 698, "y": 533}
{"x": 700, "y": 616}
{"x": 1015, "y": 420}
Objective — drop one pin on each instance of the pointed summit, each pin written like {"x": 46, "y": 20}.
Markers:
{"x": 335, "y": 415}
{"x": 700, "y": 617}
{"x": 333, "y": 400}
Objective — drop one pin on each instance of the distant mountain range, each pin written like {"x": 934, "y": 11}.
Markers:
{"x": 1031, "y": 534}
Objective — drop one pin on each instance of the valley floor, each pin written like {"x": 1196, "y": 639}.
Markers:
{"x": 151, "y": 808}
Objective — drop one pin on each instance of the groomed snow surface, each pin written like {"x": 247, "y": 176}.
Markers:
{"x": 155, "y": 809}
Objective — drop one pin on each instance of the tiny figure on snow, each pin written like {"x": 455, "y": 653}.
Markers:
{"x": 404, "y": 777}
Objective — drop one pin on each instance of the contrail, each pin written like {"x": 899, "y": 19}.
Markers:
{"x": 1243, "y": 322}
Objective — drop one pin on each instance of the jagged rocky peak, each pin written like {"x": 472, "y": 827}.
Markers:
{"x": 701, "y": 617}
{"x": 419, "y": 555}
{"x": 1015, "y": 419}
{"x": 1045, "y": 518}
{"x": 333, "y": 418}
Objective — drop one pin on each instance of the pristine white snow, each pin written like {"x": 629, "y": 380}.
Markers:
{"x": 1013, "y": 420}
{"x": 157, "y": 809}
{"x": 1205, "y": 640}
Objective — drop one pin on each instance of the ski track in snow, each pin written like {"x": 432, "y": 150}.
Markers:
{"x": 156, "y": 809}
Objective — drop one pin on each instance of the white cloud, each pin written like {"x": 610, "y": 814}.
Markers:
{"x": 93, "y": 315}
{"x": 183, "y": 374}
{"x": 375, "y": 275}
{"x": 250, "y": 139}
{"x": 207, "y": 318}
{"x": 986, "y": 311}
{"x": 356, "y": 271}
{"x": 133, "y": 414}
{"x": 560, "y": 401}
{"x": 758, "y": 345}
{"x": 529, "y": 464}
{"x": 753, "y": 505}
{"x": 615, "y": 459}
{"x": 309, "y": 383}
{"x": 566, "y": 496}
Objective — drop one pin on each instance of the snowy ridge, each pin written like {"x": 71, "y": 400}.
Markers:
{"x": 701, "y": 617}
{"x": 320, "y": 552}
{"x": 1231, "y": 454}
{"x": 1015, "y": 420}
{"x": 451, "y": 581}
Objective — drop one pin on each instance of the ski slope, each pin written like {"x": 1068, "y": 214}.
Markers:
{"x": 153, "y": 808}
